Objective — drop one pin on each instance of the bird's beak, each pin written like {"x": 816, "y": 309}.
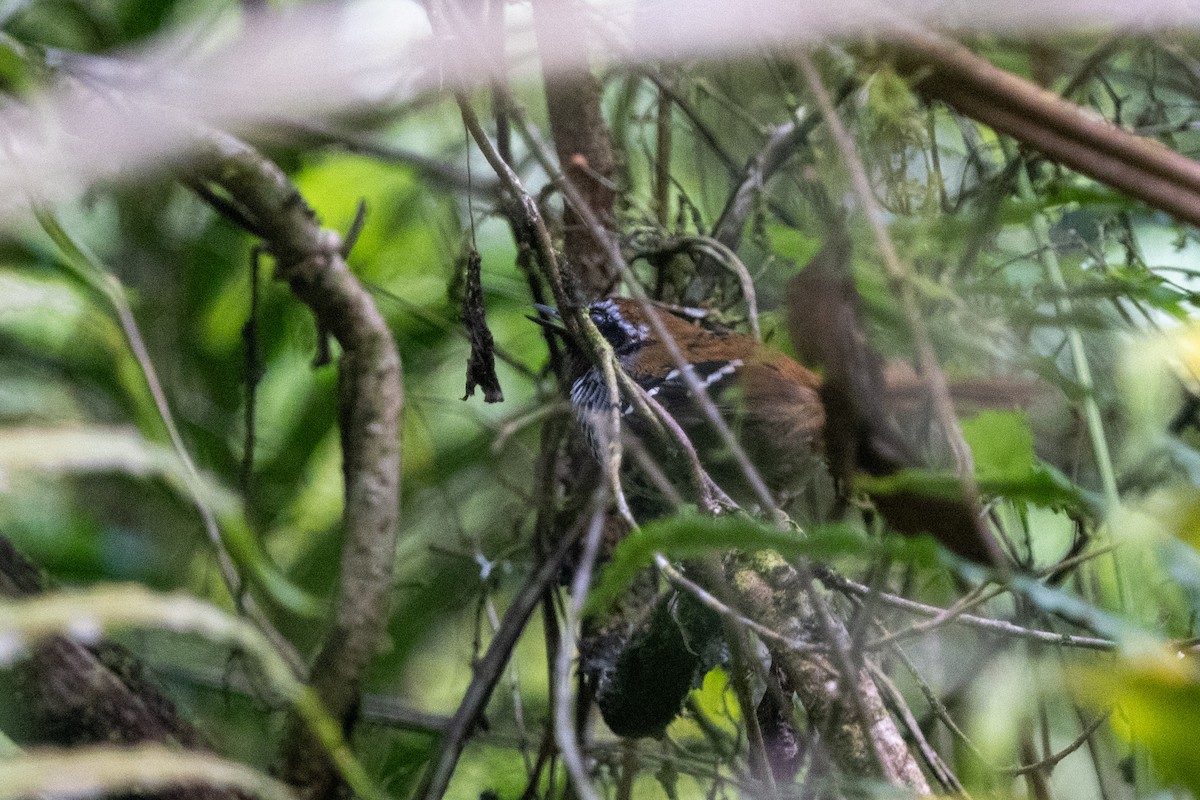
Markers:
{"x": 548, "y": 317}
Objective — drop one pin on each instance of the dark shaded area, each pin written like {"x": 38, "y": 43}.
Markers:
{"x": 783, "y": 743}
{"x": 645, "y": 686}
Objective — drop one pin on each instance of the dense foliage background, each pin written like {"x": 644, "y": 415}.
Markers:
{"x": 1069, "y": 306}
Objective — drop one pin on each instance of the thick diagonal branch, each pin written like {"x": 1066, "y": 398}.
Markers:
{"x": 370, "y": 399}
{"x": 1064, "y": 132}
{"x": 769, "y": 590}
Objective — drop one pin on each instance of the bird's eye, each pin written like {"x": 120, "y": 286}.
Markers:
{"x": 613, "y": 326}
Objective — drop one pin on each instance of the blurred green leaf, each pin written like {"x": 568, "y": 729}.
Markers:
{"x": 1054, "y": 600}
{"x": 16, "y": 74}
{"x": 796, "y": 246}
{"x": 1005, "y": 466}
{"x": 1155, "y": 702}
{"x": 94, "y": 449}
{"x": 688, "y": 535}
{"x": 1001, "y": 444}
{"x": 1086, "y": 195}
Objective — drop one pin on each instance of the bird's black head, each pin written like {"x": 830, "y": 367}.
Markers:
{"x": 615, "y": 324}
{"x": 616, "y": 320}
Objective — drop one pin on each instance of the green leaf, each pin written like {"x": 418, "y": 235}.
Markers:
{"x": 16, "y": 74}
{"x": 1042, "y": 485}
{"x": 1158, "y": 702}
{"x": 1089, "y": 195}
{"x": 690, "y": 535}
{"x": 1001, "y": 444}
{"x": 891, "y": 99}
{"x": 1053, "y": 600}
{"x": 1005, "y": 466}
{"x": 96, "y": 449}
{"x": 716, "y": 700}
{"x": 792, "y": 244}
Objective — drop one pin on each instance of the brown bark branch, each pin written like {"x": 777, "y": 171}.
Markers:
{"x": 770, "y": 590}
{"x": 370, "y": 398}
{"x": 1063, "y": 131}
{"x": 583, "y": 144}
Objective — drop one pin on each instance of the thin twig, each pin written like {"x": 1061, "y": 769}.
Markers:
{"x": 252, "y": 364}
{"x": 725, "y": 256}
{"x": 849, "y": 714}
{"x": 376, "y": 708}
{"x": 514, "y": 424}
{"x": 577, "y": 324}
{"x": 933, "y": 759}
{"x": 784, "y": 142}
{"x": 950, "y": 615}
{"x": 489, "y": 669}
{"x": 1052, "y": 760}
{"x": 564, "y": 728}
{"x": 440, "y": 325}
{"x": 756, "y": 749}
{"x": 1061, "y": 130}
{"x": 935, "y": 703}
{"x": 433, "y": 173}
{"x": 712, "y": 496}
{"x": 730, "y": 614}
{"x": 976, "y": 597}
{"x": 1040, "y": 228}
{"x": 702, "y": 128}
{"x": 514, "y": 678}
{"x": 662, "y": 160}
